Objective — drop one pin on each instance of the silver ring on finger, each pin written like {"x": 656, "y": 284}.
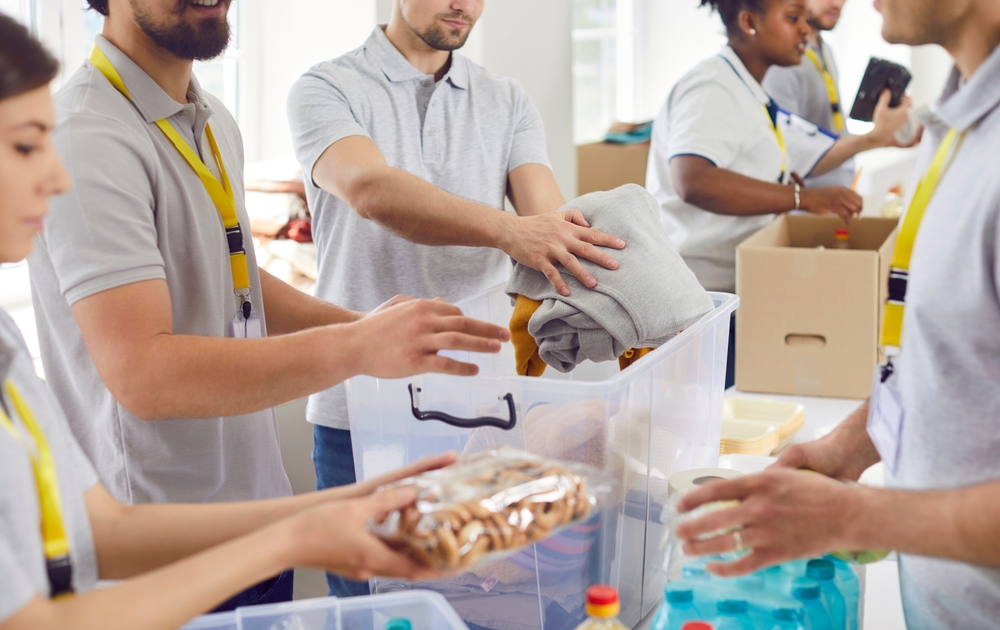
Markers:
{"x": 738, "y": 539}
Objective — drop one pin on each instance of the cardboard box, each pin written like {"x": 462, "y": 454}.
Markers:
{"x": 606, "y": 166}
{"x": 809, "y": 319}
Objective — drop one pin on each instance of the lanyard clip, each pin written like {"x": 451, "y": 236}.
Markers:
{"x": 245, "y": 305}
{"x": 60, "y": 573}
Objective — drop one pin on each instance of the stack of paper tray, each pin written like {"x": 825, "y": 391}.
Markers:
{"x": 758, "y": 427}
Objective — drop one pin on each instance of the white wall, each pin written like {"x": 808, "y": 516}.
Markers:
{"x": 294, "y": 35}
{"x": 530, "y": 40}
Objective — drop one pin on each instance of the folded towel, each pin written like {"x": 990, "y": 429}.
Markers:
{"x": 650, "y": 298}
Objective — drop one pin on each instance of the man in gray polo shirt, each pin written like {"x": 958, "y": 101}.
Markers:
{"x": 938, "y": 433}
{"x": 803, "y": 90}
{"x": 134, "y": 283}
{"x": 409, "y": 150}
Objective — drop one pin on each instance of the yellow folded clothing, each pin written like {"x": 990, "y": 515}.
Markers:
{"x": 529, "y": 361}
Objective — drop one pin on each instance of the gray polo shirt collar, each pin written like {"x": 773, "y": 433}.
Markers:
{"x": 397, "y": 69}
{"x": 148, "y": 97}
{"x": 963, "y": 106}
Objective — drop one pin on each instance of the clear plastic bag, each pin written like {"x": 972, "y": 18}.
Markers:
{"x": 488, "y": 505}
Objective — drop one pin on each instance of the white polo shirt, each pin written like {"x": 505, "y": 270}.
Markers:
{"x": 716, "y": 111}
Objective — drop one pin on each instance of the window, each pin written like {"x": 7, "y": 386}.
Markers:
{"x": 21, "y": 10}
{"x": 604, "y": 68}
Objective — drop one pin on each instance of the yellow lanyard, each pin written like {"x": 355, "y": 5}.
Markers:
{"x": 892, "y": 326}
{"x": 831, "y": 90}
{"x": 220, "y": 192}
{"x": 56, "y": 542}
{"x": 780, "y": 137}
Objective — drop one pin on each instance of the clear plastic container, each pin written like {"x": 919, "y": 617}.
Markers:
{"x": 639, "y": 426}
{"x": 218, "y": 621}
{"x": 423, "y": 609}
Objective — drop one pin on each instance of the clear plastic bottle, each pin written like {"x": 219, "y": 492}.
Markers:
{"x": 602, "y": 610}
{"x": 850, "y": 587}
{"x": 842, "y": 239}
{"x": 824, "y": 572}
{"x": 733, "y": 614}
{"x": 892, "y": 204}
{"x": 785, "y": 619}
{"x": 808, "y": 592}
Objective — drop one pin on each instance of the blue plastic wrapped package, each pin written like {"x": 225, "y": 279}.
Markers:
{"x": 733, "y": 614}
{"x": 785, "y": 619}
{"x": 678, "y": 608}
{"x": 808, "y": 592}
{"x": 833, "y": 600}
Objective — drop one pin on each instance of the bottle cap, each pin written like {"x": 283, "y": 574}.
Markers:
{"x": 842, "y": 233}
{"x": 820, "y": 570}
{"x": 786, "y": 614}
{"x": 399, "y": 624}
{"x": 697, "y": 625}
{"x": 805, "y": 588}
{"x": 732, "y": 606}
{"x": 602, "y": 602}
{"x": 679, "y": 595}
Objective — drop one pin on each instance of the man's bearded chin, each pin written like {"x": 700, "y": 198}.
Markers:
{"x": 207, "y": 40}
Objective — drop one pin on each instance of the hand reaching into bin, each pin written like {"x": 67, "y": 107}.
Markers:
{"x": 411, "y": 332}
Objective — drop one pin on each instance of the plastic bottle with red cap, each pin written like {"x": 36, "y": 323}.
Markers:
{"x": 842, "y": 239}
{"x": 602, "y": 610}
{"x": 697, "y": 625}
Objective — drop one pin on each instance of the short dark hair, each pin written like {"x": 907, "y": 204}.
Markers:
{"x": 101, "y": 6}
{"x": 24, "y": 63}
{"x": 729, "y": 11}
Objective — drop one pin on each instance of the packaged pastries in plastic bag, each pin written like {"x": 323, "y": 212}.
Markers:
{"x": 487, "y": 505}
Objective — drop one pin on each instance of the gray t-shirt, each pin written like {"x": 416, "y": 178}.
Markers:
{"x": 801, "y": 90}
{"x": 22, "y": 556}
{"x": 137, "y": 211}
{"x": 464, "y": 134}
{"x": 949, "y": 370}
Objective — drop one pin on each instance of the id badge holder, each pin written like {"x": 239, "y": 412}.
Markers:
{"x": 885, "y": 419}
{"x": 247, "y": 328}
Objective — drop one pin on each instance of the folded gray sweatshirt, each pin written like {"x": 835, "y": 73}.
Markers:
{"x": 651, "y": 297}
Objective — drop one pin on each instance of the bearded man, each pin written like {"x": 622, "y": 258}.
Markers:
{"x": 409, "y": 150}
{"x": 149, "y": 304}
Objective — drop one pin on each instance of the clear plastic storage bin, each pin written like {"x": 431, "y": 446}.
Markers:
{"x": 424, "y": 610}
{"x": 661, "y": 415}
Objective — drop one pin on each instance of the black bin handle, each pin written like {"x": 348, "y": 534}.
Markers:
{"x": 466, "y": 423}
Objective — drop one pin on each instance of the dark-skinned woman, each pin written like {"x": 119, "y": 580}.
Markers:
{"x": 718, "y": 163}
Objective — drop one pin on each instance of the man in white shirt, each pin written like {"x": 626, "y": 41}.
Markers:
{"x": 409, "y": 151}
{"x": 811, "y": 90}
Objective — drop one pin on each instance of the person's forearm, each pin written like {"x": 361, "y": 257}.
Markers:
{"x": 134, "y": 539}
{"x": 845, "y": 148}
{"x": 851, "y": 436}
{"x": 722, "y": 191}
{"x": 962, "y": 525}
{"x": 187, "y": 376}
{"x": 169, "y": 597}
{"x": 422, "y": 213}
{"x": 289, "y": 310}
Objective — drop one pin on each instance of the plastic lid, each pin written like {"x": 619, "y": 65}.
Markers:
{"x": 697, "y": 625}
{"x": 399, "y": 624}
{"x": 786, "y": 614}
{"x": 732, "y": 606}
{"x": 680, "y": 595}
{"x": 820, "y": 570}
{"x": 602, "y": 595}
{"x": 842, "y": 233}
{"x": 602, "y": 602}
{"x": 804, "y": 588}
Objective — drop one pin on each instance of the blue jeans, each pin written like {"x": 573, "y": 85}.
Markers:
{"x": 273, "y": 591}
{"x": 333, "y": 457}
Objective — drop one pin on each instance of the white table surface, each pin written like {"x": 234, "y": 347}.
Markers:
{"x": 883, "y": 605}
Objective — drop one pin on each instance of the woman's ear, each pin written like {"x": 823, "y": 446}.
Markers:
{"x": 747, "y": 22}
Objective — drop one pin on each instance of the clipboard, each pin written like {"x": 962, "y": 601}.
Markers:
{"x": 806, "y": 142}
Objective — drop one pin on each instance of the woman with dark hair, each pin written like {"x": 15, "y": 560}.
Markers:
{"x": 60, "y": 530}
{"x": 718, "y": 162}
